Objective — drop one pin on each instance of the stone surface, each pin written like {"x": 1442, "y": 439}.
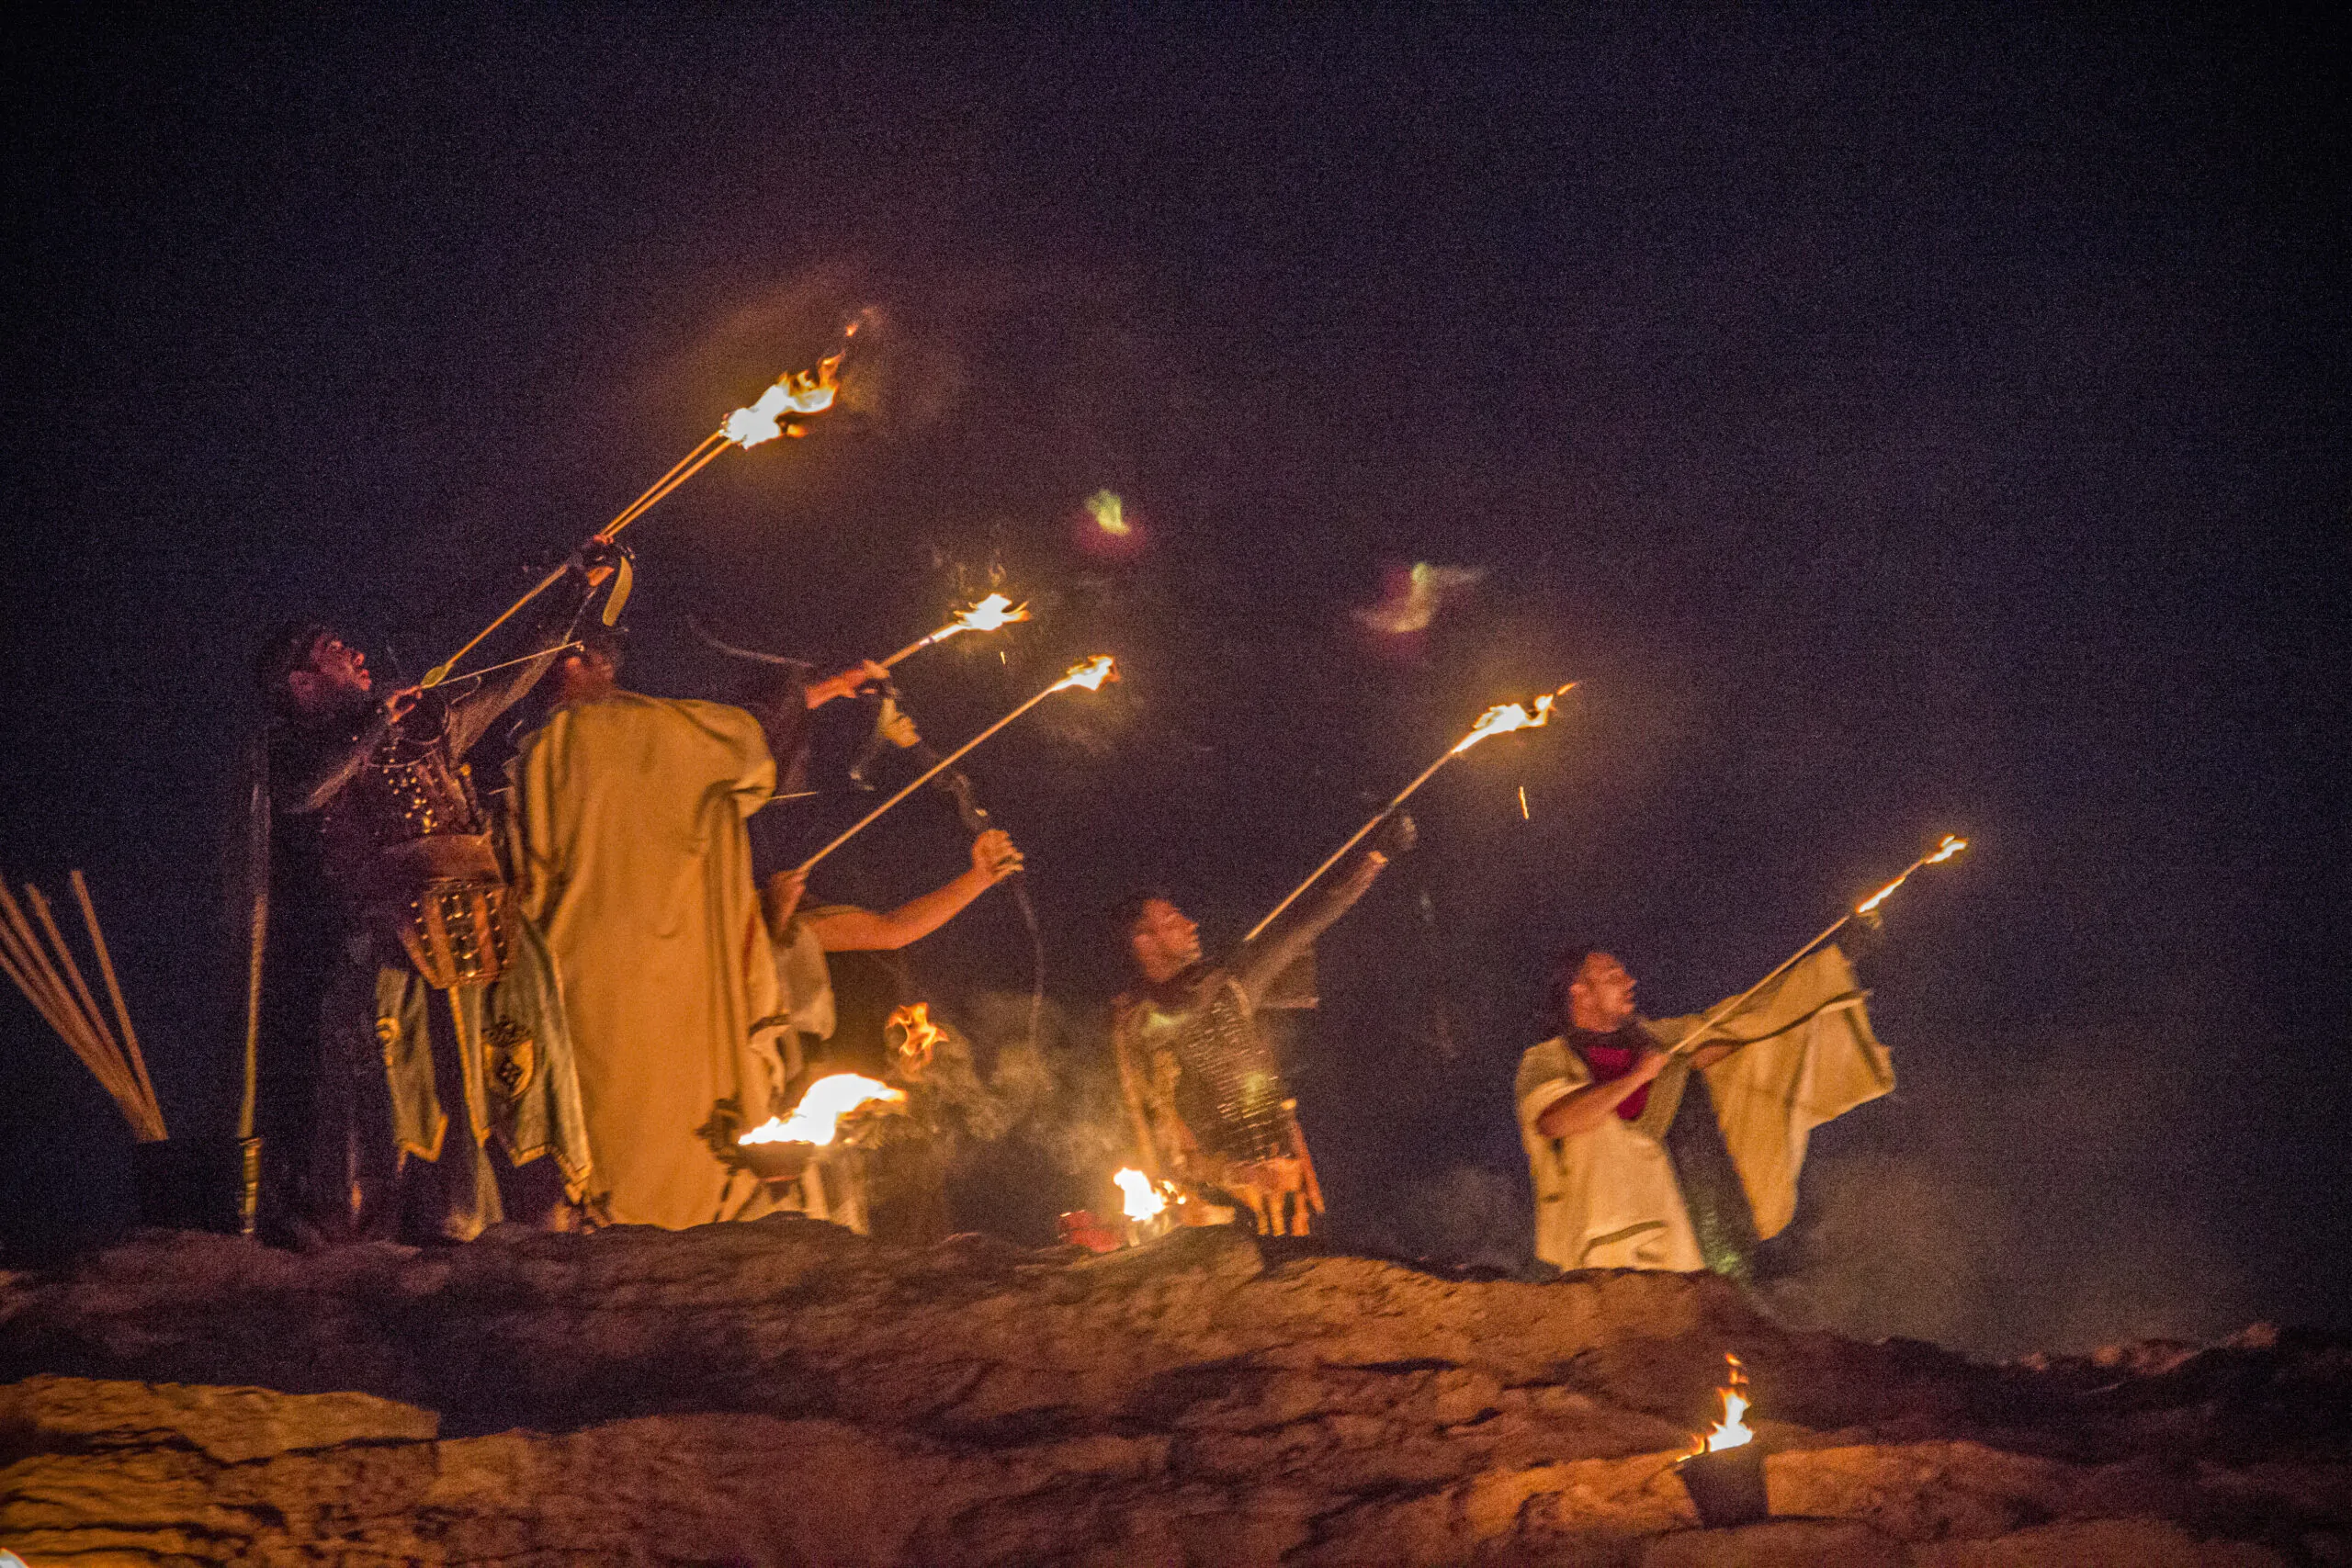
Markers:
{"x": 785, "y": 1392}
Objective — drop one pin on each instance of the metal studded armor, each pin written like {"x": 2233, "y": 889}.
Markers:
{"x": 1226, "y": 1086}
{"x": 409, "y": 835}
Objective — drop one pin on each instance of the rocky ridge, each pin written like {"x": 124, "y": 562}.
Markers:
{"x": 785, "y": 1392}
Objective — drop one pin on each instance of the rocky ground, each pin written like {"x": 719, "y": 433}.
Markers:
{"x": 785, "y": 1392}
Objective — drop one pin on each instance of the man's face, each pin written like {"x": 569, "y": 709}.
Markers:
{"x": 1164, "y": 940}
{"x": 337, "y": 675}
{"x": 1601, "y": 996}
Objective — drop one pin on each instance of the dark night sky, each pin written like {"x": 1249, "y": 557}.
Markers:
{"x": 1902, "y": 427}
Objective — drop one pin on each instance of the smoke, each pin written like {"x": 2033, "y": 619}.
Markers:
{"x": 2081, "y": 1198}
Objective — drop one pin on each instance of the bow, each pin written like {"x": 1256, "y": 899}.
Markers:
{"x": 890, "y": 717}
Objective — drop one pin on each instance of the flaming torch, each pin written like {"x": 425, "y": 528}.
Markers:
{"x": 817, "y": 1120}
{"x": 1500, "y": 719}
{"x": 796, "y": 392}
{"x": 1724, "y": 1472}
{"x": 1091, "y": 675}
{"x": 1949, "y": 847}
{"x": 991, "y": 614}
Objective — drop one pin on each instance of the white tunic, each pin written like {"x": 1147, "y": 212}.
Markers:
{"x": 1608, "y": 1199}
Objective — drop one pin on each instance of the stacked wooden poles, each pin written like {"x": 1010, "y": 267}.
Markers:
{"x": 44, "y": 968}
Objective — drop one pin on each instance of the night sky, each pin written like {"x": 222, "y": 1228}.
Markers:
{"x": 1901, "y": 428}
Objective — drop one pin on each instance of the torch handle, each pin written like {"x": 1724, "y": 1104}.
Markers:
{"x": 1353, "y": 839}
{"x": 680, "y": 472}
{"x": 1727, "y": 1009}
{"x": 924, "y": 778}
{"x": 917, "y": 645}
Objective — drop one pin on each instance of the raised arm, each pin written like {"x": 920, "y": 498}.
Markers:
{"x": 309, "y": 788}
{"x": 1260, "y": 962}
{"x": 471, "y": 715}
{"x": 858, "y": 931}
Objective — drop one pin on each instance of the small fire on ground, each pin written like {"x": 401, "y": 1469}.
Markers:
{"x": 1143, "y": 1200}
{"x": 817, "y": 1118}
{"x": 1730, "y": 1431}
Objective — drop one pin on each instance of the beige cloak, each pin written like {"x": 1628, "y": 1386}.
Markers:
{"x": 1608, "y": 1199}
{"x": 633, "y": 857}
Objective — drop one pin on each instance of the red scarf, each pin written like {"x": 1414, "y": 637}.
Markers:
{"x": 1610, "y": 1057}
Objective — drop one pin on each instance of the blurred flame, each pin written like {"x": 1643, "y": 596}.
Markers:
{"x": 1414, "y": 597}
{"x": 922, "y": 1036}
{"x": 1090, "y": 674}
{"x": 797, "y": 391}
{"x": 1952, "y": 846}
{"x": 1504, "y": 717}
{"x": 1110, "y": 513}
{"x": 1730, "y": 1431}
{"x": 1143, "y": 1201}
{"x": 817, "y": 1118}
{"x": 991, "y": 613}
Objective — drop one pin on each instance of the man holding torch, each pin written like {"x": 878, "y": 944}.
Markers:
{"x": 1648, "y": 1157}
{"x": 1205, "y": 1098}
{"x": 633, "y": 855}
{"x": 376, "y": 884}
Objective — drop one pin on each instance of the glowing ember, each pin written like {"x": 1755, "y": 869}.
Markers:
{"x": 817, "y": 1118}
{"x": 1730, "y": 1431}
{"x": 921, "y": 1039}
{"x": 799, "y": 391}
{"x": 1143, "y": 1201}
{"x": 1090, "y": 674}
{"x": 1943, "y": 851}
{"x": 1505, "y": 717}
{"x": 1109, "y": 513}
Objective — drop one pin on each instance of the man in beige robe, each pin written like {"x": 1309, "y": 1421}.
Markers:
{"x": 633, "y": 857}
{"x": 1642, "y": 1161}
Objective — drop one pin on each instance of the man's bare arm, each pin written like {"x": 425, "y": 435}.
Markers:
{"x": 864, "y": 931}
{"x": 1259, "y": 963}
{"x": 1584, "y": 1110}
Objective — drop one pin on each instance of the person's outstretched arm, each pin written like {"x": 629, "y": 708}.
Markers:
{"x": 994, "y": 858}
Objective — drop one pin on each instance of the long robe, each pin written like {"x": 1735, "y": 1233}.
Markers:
{"x": 634, "y": 859}
{"x": 1609, "y": 1198}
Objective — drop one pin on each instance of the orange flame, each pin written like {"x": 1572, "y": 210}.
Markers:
{"x": 1090, "y": 674}
{"x": 796, "y": 392}
{"x": 922, "y": 1036}
{"x": 1142, "y": 1200}
{"x": 1952, "y": 846}
{"x": 1504, "y": 717}
{"x": 1730, "y": 1431}
{"x": 991, "y": 613}
{"x": 817, "y": 1118}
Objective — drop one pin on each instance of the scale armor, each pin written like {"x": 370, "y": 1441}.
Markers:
{"x": 1228, "y": 1090}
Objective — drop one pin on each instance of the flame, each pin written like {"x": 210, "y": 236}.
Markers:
{"x": 796, "y": 392}
{"x": 922, "y": 1036}
{"x": 1110, "y": 513}
{"x": 817, "y": 1118}
{"x": 1952, "y": 846}
{"x": 990, "y": 614}
{"x": 1090, "y": 674}
{"x": 1504, "y": 717}
{"x": 1730, "y": 1431}
{"x": 1143, "y": 1200}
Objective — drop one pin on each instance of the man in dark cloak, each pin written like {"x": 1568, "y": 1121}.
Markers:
{"x": 397, "y": 982}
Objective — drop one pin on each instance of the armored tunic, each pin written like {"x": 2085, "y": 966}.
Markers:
{"x": 1205, "y": 1097}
